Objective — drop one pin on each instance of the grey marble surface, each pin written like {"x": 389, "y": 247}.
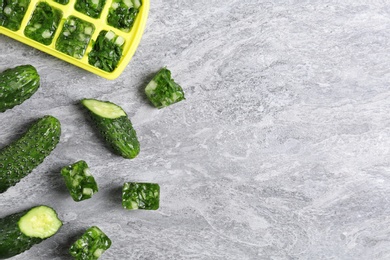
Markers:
{"x": 281, "y": 150}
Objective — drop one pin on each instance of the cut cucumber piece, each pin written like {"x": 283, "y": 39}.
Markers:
{"x": 163, "y": 91}
{"x": 141, "y": 196}
{"x": 20, "y": 231}
{"x": 19, "y": 158}
{"x": 17, "y": 85}
{"x": 91, "y": 245}
{"x": 114, "y": 125}
{"x": 79, "y": 181}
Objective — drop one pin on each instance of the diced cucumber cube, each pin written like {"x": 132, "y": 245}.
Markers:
{"x": 87, "y": 172}
{"x": 88, "y": 30}
{"x": 110, "y": 35}
{"x": 119, "y": 41}
{"x": 115, "y": 5}
{"x": 46, "y": 34}
{"x": 137, "y": 3}
{"x": 7, "y": 10}
{"x": 98, "y": 252}
{"x": 128, "y": 3}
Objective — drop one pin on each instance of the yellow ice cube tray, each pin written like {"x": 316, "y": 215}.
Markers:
{"x": 131, "y": 37}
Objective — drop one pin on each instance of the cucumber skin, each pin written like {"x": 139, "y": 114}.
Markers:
{"x": 19, "y": 158}
{"x": 17, "y": 85}
{"x": 119, "y": 133}
{"x": 12, "y": 240}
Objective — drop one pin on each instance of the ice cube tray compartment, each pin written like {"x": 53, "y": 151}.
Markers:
{"x": 128, "y": 40}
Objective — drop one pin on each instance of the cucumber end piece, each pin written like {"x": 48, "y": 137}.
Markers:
{"x": 103, "y": 108}
{"x": 41, "y": 222}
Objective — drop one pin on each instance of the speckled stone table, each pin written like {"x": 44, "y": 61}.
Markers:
{"x": 281, "y": 150}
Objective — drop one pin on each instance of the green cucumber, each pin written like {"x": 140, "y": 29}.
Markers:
{"x": 163, "y": 91}
{"x": 17, "y": 85}
{"x": 137, "y": 195}
{"x": 114, "y": 125}
{"x": 91, "y": 245}
{"x": 19, "y": 158}
{"x": 20, "y": 231}
{"x": 79, "y": 181}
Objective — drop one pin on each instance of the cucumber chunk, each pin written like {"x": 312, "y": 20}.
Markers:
{"x": 115, "y": 127}
{"x": 20, "y": 231}
{"x": 79, "y": 181}
{"x": 19, "y": 158}
{"x": 91, "y": 245}
{"x": 137, "y": 195}
{"x": 163, "y": 91}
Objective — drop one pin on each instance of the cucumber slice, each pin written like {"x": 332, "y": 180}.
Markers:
{"x": 20, "y": 231}
{"x": 141, "y": 196}
{"x": 79, "y": 181}
{"x": 114, "y": 125}
{"x": 91, "y": 245}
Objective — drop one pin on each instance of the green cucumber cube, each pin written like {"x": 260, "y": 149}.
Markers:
{"x": 163, "y": 91}
{"x": 79, "y": 181}
{"x": 91, "y": 245}
{"x": 141, "y": 196}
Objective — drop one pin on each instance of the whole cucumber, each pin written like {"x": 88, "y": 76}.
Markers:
{"x": 20, "y": 157}
{"x": 20, "y": 231}
{"x": 17, "y": 85}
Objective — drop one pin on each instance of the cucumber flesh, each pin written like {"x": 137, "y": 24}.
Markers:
{"x": 104, "y": 109}
{"x": 22, "y": 230}
{"x": 41, "y": 222}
